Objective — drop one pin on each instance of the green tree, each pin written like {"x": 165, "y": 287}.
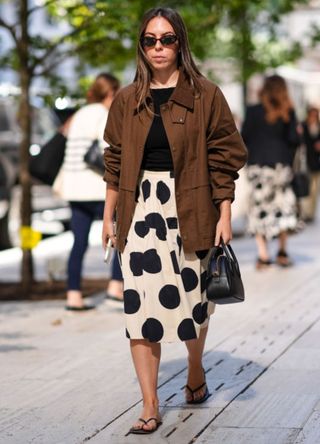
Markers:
{"x": 250, "y": 34}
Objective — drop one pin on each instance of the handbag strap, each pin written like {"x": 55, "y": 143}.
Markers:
{"x": 228, "y": 251}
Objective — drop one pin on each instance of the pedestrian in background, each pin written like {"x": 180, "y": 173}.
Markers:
{"x": 270, "y": 133}
{"x": 311, "y": 136}
{"x": 79, "y": 184}
{"x": 173, "y": 156}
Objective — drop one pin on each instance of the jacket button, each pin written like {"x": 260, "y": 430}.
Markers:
{"x": 185, "y": 237}
{"x": 181, "y": 119}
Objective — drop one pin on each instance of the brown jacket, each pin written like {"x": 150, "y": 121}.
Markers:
{"x": 207, "y": 152}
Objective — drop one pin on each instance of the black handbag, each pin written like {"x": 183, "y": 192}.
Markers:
{"x": 301, "y": 184}
{"x": 224, "y": 284}
{"x": 94, "y": 158}
{"x": 46, "y": 165}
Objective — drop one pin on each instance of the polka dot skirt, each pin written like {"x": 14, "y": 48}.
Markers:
{"x": 272, "y": 203}
{"x": 164, "y": 288}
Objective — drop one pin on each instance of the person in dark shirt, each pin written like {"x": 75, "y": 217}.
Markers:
{"x": 311, "y": 136}
{"x": 270, "y": 133}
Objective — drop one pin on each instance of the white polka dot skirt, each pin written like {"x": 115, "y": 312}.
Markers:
{"x": 164, "y": 288}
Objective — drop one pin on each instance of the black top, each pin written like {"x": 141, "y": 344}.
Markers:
{"x": 157, "y": 154}
{"x": 269, "y": 143}
{"x": 313, "y": 156}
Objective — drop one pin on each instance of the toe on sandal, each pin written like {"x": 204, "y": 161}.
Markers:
{"x": 193, "y": 391}
{"x": 141, "y": 430}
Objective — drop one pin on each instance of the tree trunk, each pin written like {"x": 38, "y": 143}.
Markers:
{"x": 25, "y": 123}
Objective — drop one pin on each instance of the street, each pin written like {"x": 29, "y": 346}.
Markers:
{"x": 68, "y": 378}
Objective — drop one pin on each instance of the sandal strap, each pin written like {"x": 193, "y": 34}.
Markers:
{"x": 192, "y": 391}
{"x": 151, "y": 419}
{"x": 143, "y": 420}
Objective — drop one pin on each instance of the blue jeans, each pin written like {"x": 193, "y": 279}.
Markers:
{"x": 83, "y": 214}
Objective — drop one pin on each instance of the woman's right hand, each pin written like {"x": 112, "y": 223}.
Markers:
{"x": 108, "y": 232}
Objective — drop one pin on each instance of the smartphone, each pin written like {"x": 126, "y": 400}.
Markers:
{"x": 108, "y": 252}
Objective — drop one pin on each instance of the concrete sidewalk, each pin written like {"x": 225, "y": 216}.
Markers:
{"x": 67, "y": 378}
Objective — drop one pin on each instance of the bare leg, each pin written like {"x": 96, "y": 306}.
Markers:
{"x": 146, "y": 359}
{"x": 262, "y": 247}
{"x": 282, "y": 256}
{"x": 283, "y": 237}
{"x": 195, "y": 370}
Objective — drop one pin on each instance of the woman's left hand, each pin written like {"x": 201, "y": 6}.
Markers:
{"x": 223, "y": 229}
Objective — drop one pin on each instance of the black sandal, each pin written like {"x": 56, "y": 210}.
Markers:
{"x": 263, "y": 263}
{"x": 193, "y": 391}
{"x": 283, "y": 259}
{"x": 141, "y": 430}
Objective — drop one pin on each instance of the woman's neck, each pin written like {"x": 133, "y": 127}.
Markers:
{"x": 165, "y": 79}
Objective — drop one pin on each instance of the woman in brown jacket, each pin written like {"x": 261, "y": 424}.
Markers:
{"x": 172, "y": 160}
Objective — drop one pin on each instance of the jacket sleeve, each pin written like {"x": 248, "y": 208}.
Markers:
{"x": 226, "y": 150}
{"x": 113, "y": 137}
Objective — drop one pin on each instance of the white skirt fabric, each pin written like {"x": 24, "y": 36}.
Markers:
{"x": 164, "y": 288}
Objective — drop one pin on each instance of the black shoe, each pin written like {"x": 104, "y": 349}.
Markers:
{"x": 110, "y": 297}
{"x": 263, "y": 263}
{"x": 283, "y": 259}
{"x": 83, "y": 308}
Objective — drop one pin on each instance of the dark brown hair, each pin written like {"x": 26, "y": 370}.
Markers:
{"x": 101, "y": 87}
{"x": 275, "y": 99}
{"x": 143, "y": 75}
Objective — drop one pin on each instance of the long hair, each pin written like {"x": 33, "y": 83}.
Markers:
{"x": 275, "y": 99}
{"x": 103, "y": 84}
{"x": 143, "y": 75}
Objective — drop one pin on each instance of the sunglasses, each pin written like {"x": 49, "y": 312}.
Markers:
{"x": 166, "y": 40}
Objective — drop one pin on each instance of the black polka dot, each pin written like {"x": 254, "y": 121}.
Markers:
{"x": 156, "y": 221}
{"x": 186, "y": 330}
{"x": 136, "y": 263}
{"x": 259, "y": 186}
{"x": 203, "y": 281}
{"x": 169, "y": 296}
{"x": 127, "y": 334}
{"x": 141, "y": 229}
{"x": 179, "y": 242}
{"x": 131, "y": 301}
{"x": 262, "y": 214}
{"x": 152, "y": 329}
{"x": 172, "y": 223}
{"x": 278, "y": 213}
{"x": 199, "y": 312}
{"x": 146, "y": 186}
{"x": 201, "y": 254}
{"x": 163, "y": 192}
{"x": 175, "y": 262}
{"x": 151, "y": 261}
{"x": 189, "y": 278}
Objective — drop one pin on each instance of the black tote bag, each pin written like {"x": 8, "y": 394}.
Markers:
{"x": 46, "y": 165}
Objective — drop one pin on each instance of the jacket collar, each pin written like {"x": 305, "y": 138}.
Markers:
{"x": 183, "y": 93}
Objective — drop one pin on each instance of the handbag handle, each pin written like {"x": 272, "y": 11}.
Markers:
{"x": 228, "y": 251}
